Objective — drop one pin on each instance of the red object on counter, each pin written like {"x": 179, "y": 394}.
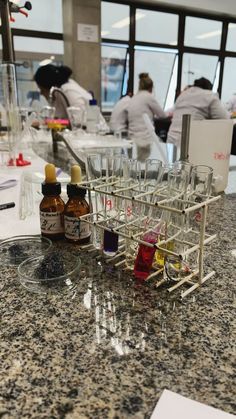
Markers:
{"x": 11, "y": 162}
{"x": 19, "y": 161}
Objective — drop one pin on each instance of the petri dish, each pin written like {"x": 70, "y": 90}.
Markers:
{"x": 15, "y": 250}
{"x": 53, "y": 272}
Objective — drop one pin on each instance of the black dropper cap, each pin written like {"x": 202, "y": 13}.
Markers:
{"x": 50, "y": 186}
{"x": 49, "y": 189}
{"x": 75, "y": 190}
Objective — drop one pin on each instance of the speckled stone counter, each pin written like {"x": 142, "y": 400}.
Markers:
{"x": 108, "y": 348}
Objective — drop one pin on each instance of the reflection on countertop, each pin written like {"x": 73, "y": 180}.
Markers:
{"x": 108, "y": 348}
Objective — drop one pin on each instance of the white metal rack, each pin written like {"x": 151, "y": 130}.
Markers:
{"x": 120, "y": 206}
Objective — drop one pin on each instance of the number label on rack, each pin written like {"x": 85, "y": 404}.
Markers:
{"x": 129, "y": 211}
{"x": 108, "y": 203}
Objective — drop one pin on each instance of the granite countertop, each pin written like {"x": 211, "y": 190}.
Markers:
{"x": 108, "y": 347}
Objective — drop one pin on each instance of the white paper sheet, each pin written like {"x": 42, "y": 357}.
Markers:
{"x": 10, "y": 222}
{"x": 175, "y": 406}
{"x": 87, "y": 33}
{"x": 7, "y": 182}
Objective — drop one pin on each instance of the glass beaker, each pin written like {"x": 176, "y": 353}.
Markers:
{"x": 76, "y": 117}
{"x": 46, "y": 114}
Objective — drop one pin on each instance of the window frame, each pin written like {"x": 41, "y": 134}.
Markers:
{"x": 182, "y": 13}
{"x": 221, "y": 53}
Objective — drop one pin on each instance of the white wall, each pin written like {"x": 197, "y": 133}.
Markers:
{"x": 225, "y": 7}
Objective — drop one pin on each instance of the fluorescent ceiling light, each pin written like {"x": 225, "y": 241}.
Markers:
{"x": 153, "y": 49}
{"x": 209, "y": 34}
{"x": 125, "y": 22}
{"x": 121, "y": 23}
{"x": 214, "y": 33}
{"x": 139, "y": 16}
{"x": 104, "y": 33}
{"x": 47, "y": 61}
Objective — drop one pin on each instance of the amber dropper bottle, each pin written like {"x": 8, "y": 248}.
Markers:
{"x": 52, "y": 206}
{"x": 76, "y": 230}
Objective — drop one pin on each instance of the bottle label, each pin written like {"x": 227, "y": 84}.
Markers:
{"x": 76, "y": 229}
{"x": 51, "y": 222}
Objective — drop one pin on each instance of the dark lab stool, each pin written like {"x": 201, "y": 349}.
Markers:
{"x": 162, "y": 126}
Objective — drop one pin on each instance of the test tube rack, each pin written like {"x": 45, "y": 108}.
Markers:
{"x": 124, "y": 204}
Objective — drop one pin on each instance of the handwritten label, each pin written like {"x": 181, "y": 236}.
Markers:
{"x": 76, "y": 229}
{"x": 108, "y": 203}
{"x": 198, "y": 216}
{"x": 221, "y": 156}
{"x": 129, "y": 211}
{"x": 51, "y": 222}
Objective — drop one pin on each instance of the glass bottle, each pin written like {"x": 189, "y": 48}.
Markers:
{"x": 52, "y": 206}
{"x": 76, "y": 231}
{"x": 93, "y": 117}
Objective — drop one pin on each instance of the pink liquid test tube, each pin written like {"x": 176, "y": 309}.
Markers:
{"x": 144, "y": 259}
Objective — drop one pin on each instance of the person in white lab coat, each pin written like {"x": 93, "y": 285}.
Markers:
{"x": 119, "y": 115}
{"x": 143, "y": 103}
{"x": 60, "y": 90}
{"x": 199, "y": 102}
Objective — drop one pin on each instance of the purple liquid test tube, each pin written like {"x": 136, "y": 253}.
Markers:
{"x": 110, "y": 243}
